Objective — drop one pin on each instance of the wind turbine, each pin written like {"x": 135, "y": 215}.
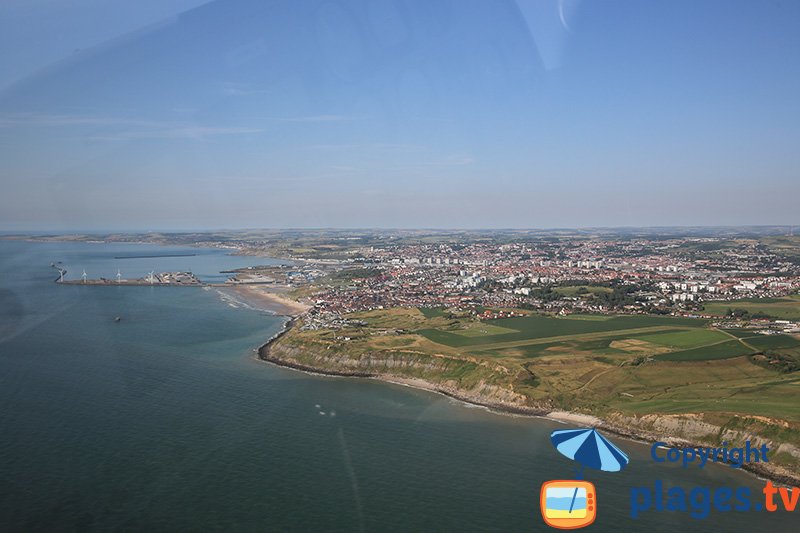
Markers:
{"x": 119, "y": 276}
{"x": 61, "y": 275}
{"x": 84, "y": 275}
{"x": 150, "y": 277}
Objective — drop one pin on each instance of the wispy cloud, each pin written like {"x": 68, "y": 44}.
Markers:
{"x": 237, "y": 89}
{"x": 434, "y": 161}
{"x": 122, "y": 129}
{"x": 399, "y": 155}
{"x": 188, "y": 132}
{"x": 57, "y": 120}
{"x": 317, "y": 118}
{"x": 371, "y": 147}
{"x": 111, "y": 128}
{"x": 230, "y": 88}
{"x": 458, "y": 160}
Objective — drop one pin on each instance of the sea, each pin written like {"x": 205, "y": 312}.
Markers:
{"x": 164, "y": 420}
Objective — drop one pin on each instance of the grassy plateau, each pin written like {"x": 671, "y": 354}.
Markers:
{"x": 625, "y": 365}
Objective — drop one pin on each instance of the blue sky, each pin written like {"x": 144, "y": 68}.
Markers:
{"x": 529, "y": 113}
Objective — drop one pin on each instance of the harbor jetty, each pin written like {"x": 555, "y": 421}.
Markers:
{"x": 170, "y": 279}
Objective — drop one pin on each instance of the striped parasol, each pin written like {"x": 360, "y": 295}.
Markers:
{"x": 589, "y": 448}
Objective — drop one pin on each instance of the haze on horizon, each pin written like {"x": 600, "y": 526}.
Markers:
{"x": 398, "y": 114}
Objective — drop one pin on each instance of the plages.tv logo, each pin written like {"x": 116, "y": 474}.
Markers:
{"x": 572, "y": 504}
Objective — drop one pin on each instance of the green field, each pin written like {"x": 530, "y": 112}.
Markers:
{"x": 625, "y": 364}
{"x": 585, "y": 289}
{"x": 483, "y": 329}
{"x": 787, "y": 308}
{"x": 740, "y": 333}
{"x": 687, "y": 338}
{"x": 721, "y": 350}
{"x": 770, "y": 342}
{"x": 584, "y": 345}
{"x": 536, "y": 327}
{"x": 431, "y": 312}
{"x": 619, "y": 337}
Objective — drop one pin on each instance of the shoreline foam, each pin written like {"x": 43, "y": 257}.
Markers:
{"x": 272, "y": 299}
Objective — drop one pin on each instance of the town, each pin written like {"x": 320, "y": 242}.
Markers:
{"x": 673, "y": 276}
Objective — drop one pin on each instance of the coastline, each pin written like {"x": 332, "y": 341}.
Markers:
{"x": 270, "y": 298}
{"x": 767, "y": 471}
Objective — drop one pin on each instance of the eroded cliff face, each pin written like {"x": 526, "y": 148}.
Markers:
{"x": 460, "y": 379}
{"x": 692, "y": 429}
{"x": 466, "y": 380}
{"x": 372, "y": 364}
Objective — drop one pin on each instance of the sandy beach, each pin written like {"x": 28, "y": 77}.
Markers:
{"x": 272, "y": 298}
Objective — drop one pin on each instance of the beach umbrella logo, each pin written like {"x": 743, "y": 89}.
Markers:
{"x": 572, "y": 504}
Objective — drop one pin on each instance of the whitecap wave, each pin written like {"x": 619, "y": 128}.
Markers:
{"x": 236, "y": 302}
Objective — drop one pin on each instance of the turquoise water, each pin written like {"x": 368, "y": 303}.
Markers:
{"x": 165, "y": 421}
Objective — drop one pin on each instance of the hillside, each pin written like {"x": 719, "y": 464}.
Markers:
{"x": 677, "y": 377}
